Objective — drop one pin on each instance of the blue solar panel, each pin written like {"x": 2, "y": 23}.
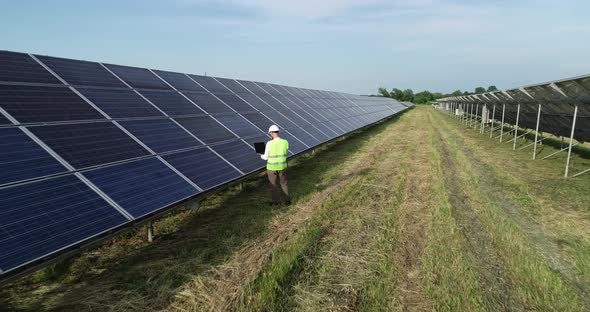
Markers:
{"x": 40, "y": 218}
{"x": 252, "y": 86}
{"x": 20, "y": 67}
{"x": 138, "y": 77}
{"x": 240, "y": 155}
{"x": 304, "y": 136}
{"x": 203, "y": 167}
{"x": 294, "y": 145}
{"x": 161, "y": 135}
{"x": 81, "y": 73}
{"x": 179, "y": 81}
{"x": 4, "y": 120}
{"x": 276, "y": 117}
{"x": 45, "y": 208}
{"x": 172, "y": 103}
{"x": 210, "y": 84}
{"x": 233, "y": 85}
{"x": 21, "y": 158}
{"x": 208, "y": 102}
{"x": 238, "y": 125}
{"x": 206, "y": 129}
{"x": 236, "y": 103}
{"x": 29, "y": 104}
{"x": 141, "y": 187}
{"x": 259, "y": 120}
{"x": 89, "y": 144}
{"x": 120, "y": 103}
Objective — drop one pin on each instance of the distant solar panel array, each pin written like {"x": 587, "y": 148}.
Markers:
{"x": 87, "y": 148}
{"x": 560, "y": 107}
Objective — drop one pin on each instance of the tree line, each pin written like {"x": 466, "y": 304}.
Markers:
{"x": 424, "y": 97}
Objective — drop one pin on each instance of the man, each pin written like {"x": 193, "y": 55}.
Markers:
{"x": 275, "y": 154}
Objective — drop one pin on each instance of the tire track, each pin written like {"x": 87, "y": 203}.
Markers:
{"x": 497, "y": 294}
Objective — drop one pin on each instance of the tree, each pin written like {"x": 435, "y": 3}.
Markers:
{"x": 384, "y": 92}
{"x": 423, "y": 97}
{"x": 397, "y": 94}
{"x": 457, "y": 93}
{"x": 408, "y": 95}
{"x": 479, "y": 90}
{"x": 492, "y": 88}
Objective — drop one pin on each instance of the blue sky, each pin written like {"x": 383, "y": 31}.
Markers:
{"x": 344, "y": 45}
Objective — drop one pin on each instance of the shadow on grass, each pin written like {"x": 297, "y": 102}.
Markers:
{"x": 145, "y": 276}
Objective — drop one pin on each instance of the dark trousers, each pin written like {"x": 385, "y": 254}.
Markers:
{"x": 278, "y": 185}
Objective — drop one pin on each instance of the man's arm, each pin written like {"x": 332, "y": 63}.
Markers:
{"x": 265, "y": 156}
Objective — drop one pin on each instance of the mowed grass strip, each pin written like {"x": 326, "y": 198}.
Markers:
{"x": 531, "y": 271}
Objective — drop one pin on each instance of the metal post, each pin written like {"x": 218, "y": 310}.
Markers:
{"x": 502, "y": 125}
{"x": 537, "y": 132}
{"x": 475, "y": 117}
{"x": 493, "y": 121}
{"x": 482, "y": 118}
{"x": 241, "y": 186}
{"x": 516, "y": 127}
{"x": 150, "y": 228}
{"x": 569, "y": 152}
{"x": 470, "y": 116}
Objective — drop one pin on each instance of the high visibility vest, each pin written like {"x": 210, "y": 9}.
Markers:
{"x": 277, "y": 154}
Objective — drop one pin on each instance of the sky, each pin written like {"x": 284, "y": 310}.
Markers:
{"x": 353, "y": 46}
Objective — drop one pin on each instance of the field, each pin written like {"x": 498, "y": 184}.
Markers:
{"x": 416, "y": 213}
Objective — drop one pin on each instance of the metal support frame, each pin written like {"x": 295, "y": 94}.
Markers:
{"x": 502, "y": 125}
{"x": 555, "y": 153}
{"x": 537, "y": 132}
{"x": 530, "y": 144}
{"x": 150, "y": 230}
{"x": 493, "y": 121}
{"x": 569, "y": 152}
{"x": 475, "y": 117}
{"x": 481, "y": 127}
{"x": 516, "y": 127}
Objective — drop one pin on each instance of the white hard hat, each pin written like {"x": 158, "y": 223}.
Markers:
{"x": 273, "y": 128}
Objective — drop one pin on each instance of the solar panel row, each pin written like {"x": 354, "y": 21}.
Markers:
{"x": 86, "y": 147}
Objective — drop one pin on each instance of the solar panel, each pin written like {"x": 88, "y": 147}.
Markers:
{"x": 206, "y": 129}
{"x": 203, "y": 167}
{"x": 138, "y": 77}
{"x": 160, "y": 135}
{"x": 4, "y": 121}
{"x": 236, "y": 103}
{"x": 172, "y": 102}
{"x": 120, "y": 103}
{"x": 240, "y": 155}
{"x": 89, "y": 144}
{"x": 295, "y": 146}
{"x": 233, "y": 85}
{"x": 141, "y": 187}
{"x": 20, "y": 67}
{"x": 169, "y": 136}
{"x": 179, "y": 81}
{"x": 239, "y": 125}
{"x": 81, "y": 73}
{"x": 41, "y": 218}
{"x": 29, "y": 104}
{"x": 208, "y": 102}
{"x": 210, "y": 84}
{"x": 21, "y": 158}
{"x": 259, "y": 120}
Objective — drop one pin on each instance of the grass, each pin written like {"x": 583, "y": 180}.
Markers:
{"x": 415, "y": 213}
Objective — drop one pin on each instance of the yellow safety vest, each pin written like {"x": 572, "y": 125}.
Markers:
{"x": 277, "y": 154}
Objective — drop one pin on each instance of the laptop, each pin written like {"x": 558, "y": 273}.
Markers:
{"x": 260, "y": 147}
